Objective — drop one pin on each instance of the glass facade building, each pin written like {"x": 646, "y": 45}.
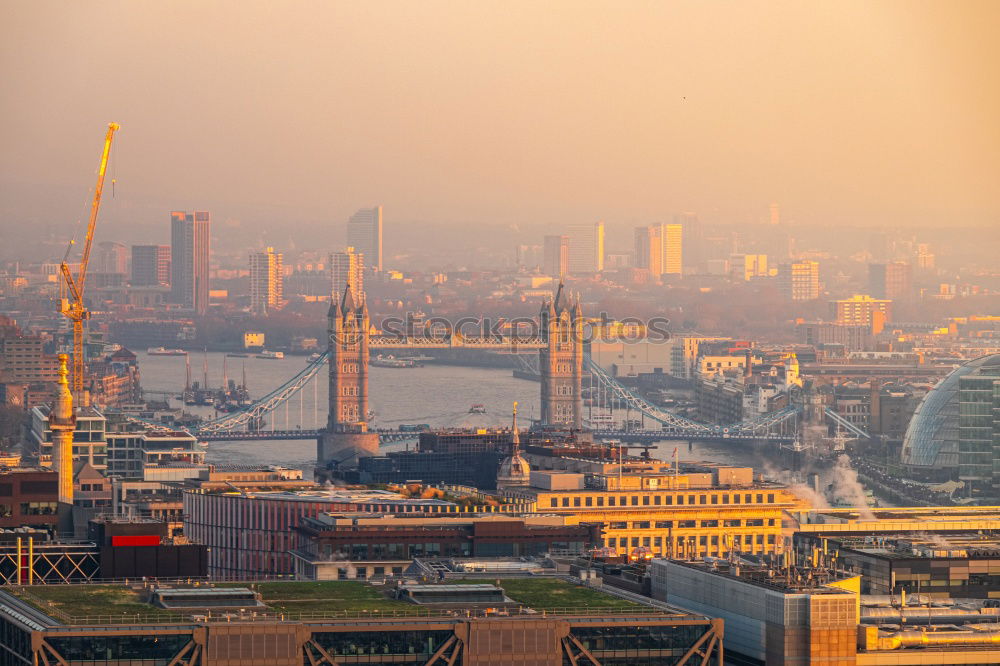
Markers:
{"x": 932, "y": 445}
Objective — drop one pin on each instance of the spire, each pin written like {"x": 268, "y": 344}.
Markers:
{"x": 515, "y": 435}
{"x": 347, "y": 304}
{"x": 557, "y": 301}
{"x": 334, "y": 311}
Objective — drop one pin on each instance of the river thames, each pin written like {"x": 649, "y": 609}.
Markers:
{"x": 438, "y": 395}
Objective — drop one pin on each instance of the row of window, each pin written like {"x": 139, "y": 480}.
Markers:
{"x": 681, "y": 541}
{"x": 661, "y": 500}
{"x": 691, "y": 524}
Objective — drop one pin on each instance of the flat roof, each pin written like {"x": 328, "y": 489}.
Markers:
{"x": 124, "y": 605}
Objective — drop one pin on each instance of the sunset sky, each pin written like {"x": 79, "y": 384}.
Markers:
{"x": 533, "y": 114}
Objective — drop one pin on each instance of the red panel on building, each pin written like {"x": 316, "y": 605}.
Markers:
{"x": 139, "y": 540}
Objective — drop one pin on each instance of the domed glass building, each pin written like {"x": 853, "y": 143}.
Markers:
{"x": 931, "y": 444}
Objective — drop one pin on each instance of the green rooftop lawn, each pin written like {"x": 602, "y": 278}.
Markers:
{"x": 545, "y": 593}
{"x": 327, "y": 596}
{"x": 352, "y": 597}
{"x": 92, "y": 600}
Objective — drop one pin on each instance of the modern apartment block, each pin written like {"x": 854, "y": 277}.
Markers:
{"x": 586, "y": 248}
{"x": 150, "y": 265}
{"x": 347, "y": 268}
{"x": 189, "y": 252}
{"x": 555, "y": 259}
{"x": 266, "y": 281}
{"x": 799, "y": 281}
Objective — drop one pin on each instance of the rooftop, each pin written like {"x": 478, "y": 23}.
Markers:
{"x": 123, "y": 604}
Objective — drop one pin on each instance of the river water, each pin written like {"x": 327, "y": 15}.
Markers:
{"x": 438, "y": 395}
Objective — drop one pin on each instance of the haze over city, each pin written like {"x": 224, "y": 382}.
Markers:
{"x": 505, "y": 116}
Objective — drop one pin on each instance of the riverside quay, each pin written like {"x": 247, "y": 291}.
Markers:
{"x": 527, "y": 621}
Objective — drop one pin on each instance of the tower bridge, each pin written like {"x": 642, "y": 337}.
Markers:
{"x": 561, "y": 365}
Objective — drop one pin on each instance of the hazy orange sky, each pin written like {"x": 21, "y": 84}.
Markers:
{"x": 526, "y": 113}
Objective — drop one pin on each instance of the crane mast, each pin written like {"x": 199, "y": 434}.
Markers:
{"x": 72, "y": 305}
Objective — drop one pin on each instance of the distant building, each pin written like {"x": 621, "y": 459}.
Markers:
{"x": 150, "y": 265}
{"x": 893, "y": 280}
{"x": 347, "y": 268}
{"x": 673, "y": 249}
{"x": 364, "y": 232}
{"x": 746, "y": 267}
{"x": 266, "y": 281}
{"x": 861, "y": 310}
{"x": 529, "y": 257}
{"x": 189, "y": 252}
{"x": 111, "y": 257}
{"x": 556, "y": 256}
{"x": 799, "y": 281}
{"x": 586, "y": 248}
{"x": 648, "y": 250}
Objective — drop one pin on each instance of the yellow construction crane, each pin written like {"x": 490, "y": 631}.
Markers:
{"x": 72, "y": 306}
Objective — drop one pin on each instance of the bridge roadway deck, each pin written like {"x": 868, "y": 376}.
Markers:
{"x": 388, "y": 435}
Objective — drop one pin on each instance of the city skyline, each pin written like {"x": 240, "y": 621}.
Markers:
{"x": 895, "y": 130}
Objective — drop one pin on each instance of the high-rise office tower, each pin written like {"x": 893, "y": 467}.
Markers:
{"x": 364, "y": 232}
{"x": 586, "y": 248}
{"x": 347, "y": 268}
{"x": 748, "y": 266}
{"x": 266, "y": 281}
{"x": 673, "y": 249}
{"x": 189, "y": 248}
{"x": 799, "y": 281}
{"x": 150, "y": 265}
{"x": 775, "y": 214}
{"x": 112, "y": 257}
{"x": 649, "y": 249}
{"x": 555, "y": 261}
{"x": 694, "y": 245}
{"x": 893, "y": 280}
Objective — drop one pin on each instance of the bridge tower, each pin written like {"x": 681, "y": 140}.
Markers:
{"x": 346, "y": 435}
{"x": 560, "y": 361}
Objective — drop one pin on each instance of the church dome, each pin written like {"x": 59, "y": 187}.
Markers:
{"x": 514, "y": 471}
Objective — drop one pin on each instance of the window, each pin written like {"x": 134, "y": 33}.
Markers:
{"x": 600, "y": 500}
{"x": 702, "y": 499}
{"x": 611, "y": 501}
{"x": 664, "y": 524}
{"x": 565, "y": 501}
{"x": 619, "y": 526}
{"x": 687, "y": 523}
{"x": 657, "y": 500}
{"x": 760, "y": 499}
{"x": 670, "y": 500}
{"x": 725, "y": 499}
{"x": 736, "y": 499}
{"x": 641, "y": 525}
{"x": 710, "y": 523}
{"x": 645, "y": 500}
{"x": 588, "y": 501}
{"x": 731, "y": 523}
{"x": 770, "y": 498}
{"x": 554, "y": 501}
{"x": 635, "y": 500}
{"x": 680, "y": 499}
{"x": 690, "y": 499}
{"x": 576, "y": 501}
{"x": 755, "y": 522}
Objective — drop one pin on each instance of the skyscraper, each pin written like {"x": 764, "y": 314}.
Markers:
{"x": 555, "y": 260}
{"x": 189, "y": 249}
{"x": 649, "y": 249}
{"x": 347, "y": 268}
{"x": 150, "y": 265}
{"x": 364, "y": 232}
{"x": 673, "y": 250}
{"x": 586, "y": 248}
{"x": 775, "y": 214}
{"x": 694, "y": 241}
{"x": 266, "y": 281}
{"x": 799, "y": 281}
